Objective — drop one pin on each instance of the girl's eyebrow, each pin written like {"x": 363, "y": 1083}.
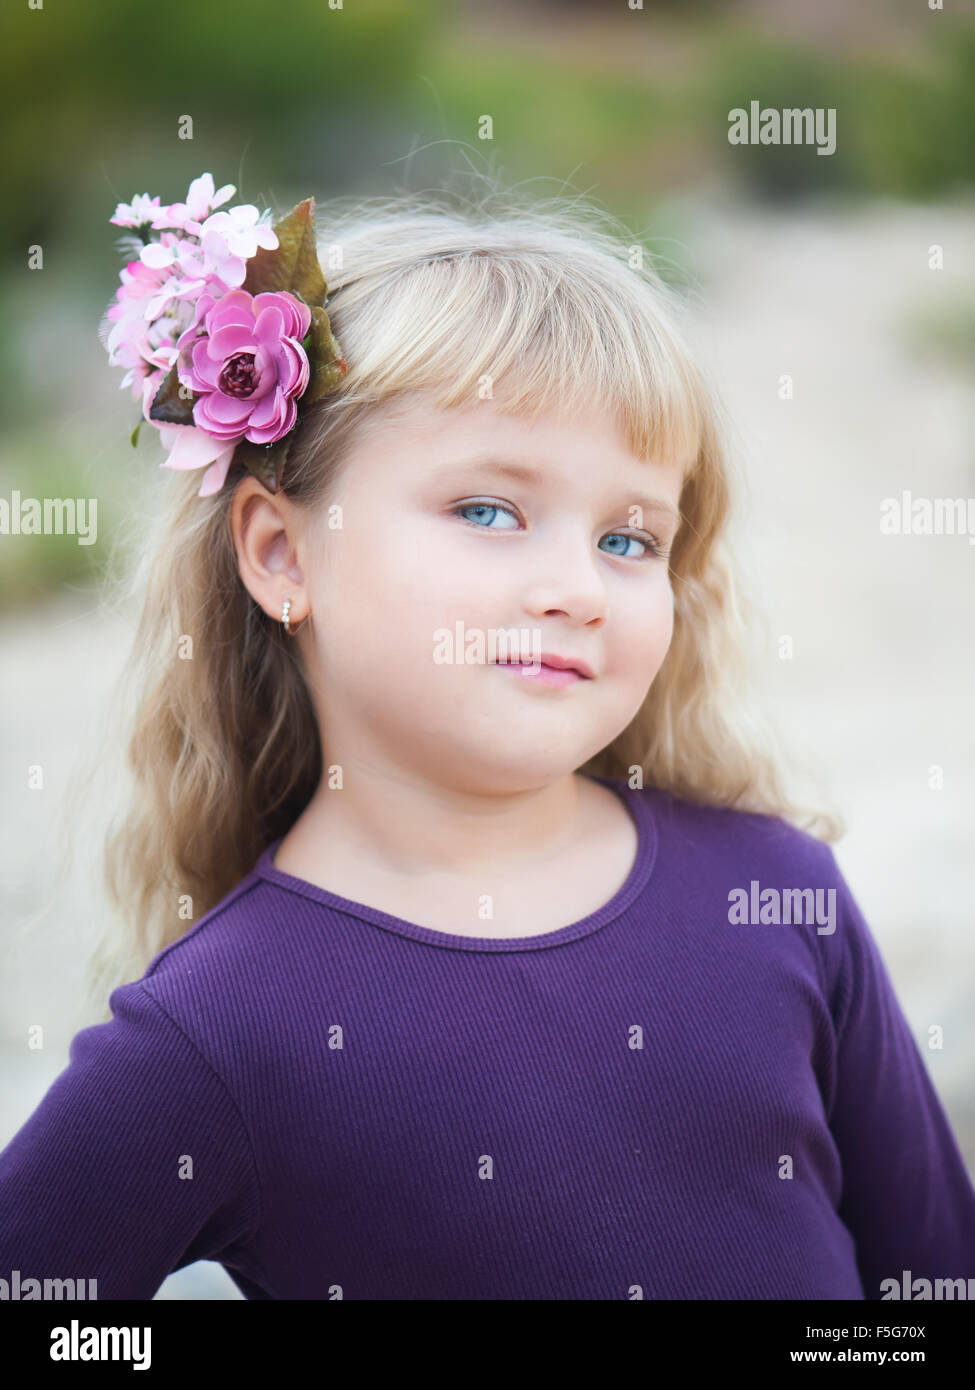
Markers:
{"x": 522, "y": 472}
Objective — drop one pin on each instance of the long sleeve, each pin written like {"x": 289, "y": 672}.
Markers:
{"x": 907, "y": 1197}
{"x": 135, "y": 1163}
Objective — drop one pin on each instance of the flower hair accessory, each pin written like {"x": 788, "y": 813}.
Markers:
{"x": 220, "y": 321}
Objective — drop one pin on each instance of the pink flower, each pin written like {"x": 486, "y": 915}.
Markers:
{"x": 131, "y": 339}
{"x": 185, "y": 277}
{"x": 181, "y": 258}
{"x": 181, "y": 305}
{"x": 152, "y": 308}
{"x": 200, "y": 202}
{"x": 248, "y": 367}
{"x": 229, "y": 239}
{"x": 188, "y": 446}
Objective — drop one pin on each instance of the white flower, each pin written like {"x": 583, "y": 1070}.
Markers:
{"x": 141, "y": 210}
{"x": 201, "y": 199}
{"x": 229, "y": 239}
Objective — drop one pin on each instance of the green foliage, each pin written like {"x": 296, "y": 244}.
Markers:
{"x": 93, "y": 93}
{"x": 170, "y": 405}
{"x": 904, "y": 128}
{"x": 944, "y": 331}
{"x": 293, "y": 264}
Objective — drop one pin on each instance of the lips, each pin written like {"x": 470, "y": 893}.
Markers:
{"x": 566, "y": 663}
{"x": 568, "y": 667}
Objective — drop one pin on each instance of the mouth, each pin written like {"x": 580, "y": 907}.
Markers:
{"x": 550, "y": 670}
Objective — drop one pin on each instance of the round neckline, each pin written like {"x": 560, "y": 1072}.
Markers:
{"x": 637, "y": 803}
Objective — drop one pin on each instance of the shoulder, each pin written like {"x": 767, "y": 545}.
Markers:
{"x": 751, "y": 870}
{"x": 725, "y": 838}
{"x": 210, "y": 982}
{"x": 769, "y": 873}
{"x": 227, "y": 936}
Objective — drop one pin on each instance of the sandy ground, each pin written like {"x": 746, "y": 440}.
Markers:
{"x": 880, "y": 685}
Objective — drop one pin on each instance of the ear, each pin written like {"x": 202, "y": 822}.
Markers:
{"x": 266, "y": 530}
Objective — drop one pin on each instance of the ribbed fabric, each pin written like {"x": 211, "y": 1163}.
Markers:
{"x": 652, "y": 1102}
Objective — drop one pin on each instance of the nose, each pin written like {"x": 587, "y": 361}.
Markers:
{"x": 564, "y": 579}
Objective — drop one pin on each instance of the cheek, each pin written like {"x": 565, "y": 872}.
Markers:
{"x": 667, "y": 617}
{"x": 435, "y": 582}
{"x": 382, "y": 598}
{"x": 646, "y": 622}
{"x": 372, "y": 569}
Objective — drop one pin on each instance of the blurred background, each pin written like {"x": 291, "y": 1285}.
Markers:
{"x": 816, "y": 268}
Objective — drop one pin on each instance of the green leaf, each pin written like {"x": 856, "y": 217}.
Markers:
{"x": 265, "y": 461}
{"x": 170, "y": 404}
{"x": 293, "y": 265}
{"x": 324, "y": 358}
{"x": 134, "y": 436}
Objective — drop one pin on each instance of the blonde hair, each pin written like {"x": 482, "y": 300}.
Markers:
{"x": 557, "y": 306}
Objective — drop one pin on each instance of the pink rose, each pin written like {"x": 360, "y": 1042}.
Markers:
{"x": 248, "y": 367}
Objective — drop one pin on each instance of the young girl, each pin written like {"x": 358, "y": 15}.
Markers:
{"x": 475, "y": 950}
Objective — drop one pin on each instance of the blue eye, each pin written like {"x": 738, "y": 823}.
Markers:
{"x": 649, "y": 547}
{"x": 487, "y": 512}
{"x": 488, "y": 509}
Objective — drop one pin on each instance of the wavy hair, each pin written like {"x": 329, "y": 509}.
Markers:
{"x": 556, "y": 304}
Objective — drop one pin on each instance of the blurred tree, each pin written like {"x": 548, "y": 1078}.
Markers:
{"x": 902, "y": 130}
{"x": 84, "y": 86}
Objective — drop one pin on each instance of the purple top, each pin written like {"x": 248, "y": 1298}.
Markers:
{"x": 661, "y": 1100}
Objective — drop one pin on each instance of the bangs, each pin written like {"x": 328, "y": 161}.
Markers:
{"x": 535, "y": 331}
